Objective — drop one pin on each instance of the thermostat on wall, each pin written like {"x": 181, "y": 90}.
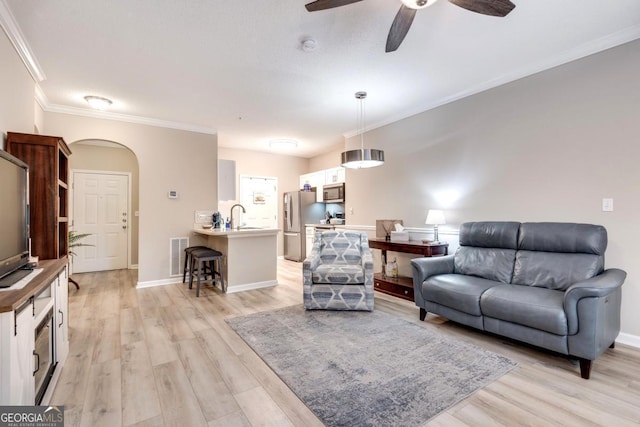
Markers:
{"x": 172, "y": 194}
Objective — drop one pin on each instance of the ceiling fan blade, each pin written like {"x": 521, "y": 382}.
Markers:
{"x": 400, "y": 27}
{"x": 327, "y": 4}
{"x": 499, "y": 8}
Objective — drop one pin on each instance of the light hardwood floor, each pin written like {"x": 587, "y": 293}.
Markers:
{"x": 162, "y": 357}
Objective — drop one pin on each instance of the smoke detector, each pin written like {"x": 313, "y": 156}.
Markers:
{"x": 308, "y": 45}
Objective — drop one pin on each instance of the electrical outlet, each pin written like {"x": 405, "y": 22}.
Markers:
{"x": 607, "y": 205}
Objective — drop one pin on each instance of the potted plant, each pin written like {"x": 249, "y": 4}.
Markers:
{"x": 74, "y": 242}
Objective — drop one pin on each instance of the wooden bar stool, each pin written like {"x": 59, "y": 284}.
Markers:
{"x": 187, "y": 260}
{"x": 199, "y": 260}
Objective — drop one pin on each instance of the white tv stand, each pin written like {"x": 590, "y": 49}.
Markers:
{"x": 20, "y": 312}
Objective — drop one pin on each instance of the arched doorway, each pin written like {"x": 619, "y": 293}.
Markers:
{"x": 98, "y": 169}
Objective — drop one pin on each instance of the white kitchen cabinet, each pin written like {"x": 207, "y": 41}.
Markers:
{"x": 321, "y": 178}
{"x": 334, "y": 175}
{"x": 315, "y": 179}
{"x": 226, "y": 179}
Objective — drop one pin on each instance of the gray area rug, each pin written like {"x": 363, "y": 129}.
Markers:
{"x": 368, "y": 368}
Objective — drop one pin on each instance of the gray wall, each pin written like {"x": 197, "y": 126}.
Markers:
{"x": 545, "y": 148}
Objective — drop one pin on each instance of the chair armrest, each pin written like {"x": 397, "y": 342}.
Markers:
{"x": 367, "y": 265}
{"x": 310, "y": 264}
{"x": 423, "y": 268}
{"x": 367, "y": 258}
{"x": 599, "y": 286}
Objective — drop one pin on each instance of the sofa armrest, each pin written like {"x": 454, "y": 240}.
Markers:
{"x": 423, "y": 268}
{"x": 599, "y": 286}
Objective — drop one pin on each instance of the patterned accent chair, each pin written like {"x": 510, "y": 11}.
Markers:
{"x": 338, "y": 274}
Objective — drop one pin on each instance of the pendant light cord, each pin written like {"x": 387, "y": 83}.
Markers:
{"x": 361, "y": 96}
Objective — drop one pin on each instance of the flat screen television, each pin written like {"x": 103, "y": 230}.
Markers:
{"x": 14, "y": 214}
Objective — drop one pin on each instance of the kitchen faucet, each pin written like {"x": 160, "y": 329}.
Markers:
{"x": 233, "y": 222}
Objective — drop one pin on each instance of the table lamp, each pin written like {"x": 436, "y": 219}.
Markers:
{"x": 435, "y": 217}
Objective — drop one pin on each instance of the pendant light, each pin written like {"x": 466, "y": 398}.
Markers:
{"x": 363, "y": 157}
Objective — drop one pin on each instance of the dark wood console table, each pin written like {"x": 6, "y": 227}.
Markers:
{"x": 402, "y": 286}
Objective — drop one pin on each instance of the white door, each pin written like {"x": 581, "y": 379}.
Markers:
{"x": 100, "y": 208}
{"x": 259, "y": 196}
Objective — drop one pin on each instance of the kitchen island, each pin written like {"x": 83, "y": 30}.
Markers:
{"x": 249, "y": 256}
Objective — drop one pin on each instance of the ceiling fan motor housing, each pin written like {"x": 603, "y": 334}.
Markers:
{"x": 418, "y": 4}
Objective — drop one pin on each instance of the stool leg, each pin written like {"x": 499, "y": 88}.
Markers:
{"x": 184, "y": 270}
{"x": 223, "y": 286}
{"x": 200, "y": 267}
{"x": 191, "y": 268}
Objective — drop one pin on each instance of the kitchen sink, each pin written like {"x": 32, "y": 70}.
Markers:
{"x": 244, "y": 227}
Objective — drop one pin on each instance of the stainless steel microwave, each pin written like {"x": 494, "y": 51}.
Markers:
{"x": 333, "y": 193}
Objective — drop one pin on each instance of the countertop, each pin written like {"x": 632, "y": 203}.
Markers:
{"x": 242, "y": 232}
{"x": 10, "y": 300}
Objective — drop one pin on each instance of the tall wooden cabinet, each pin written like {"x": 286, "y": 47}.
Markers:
{"x": 48, "y": 160}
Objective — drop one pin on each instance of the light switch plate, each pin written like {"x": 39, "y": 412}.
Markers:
{"x": 607, "y": 205}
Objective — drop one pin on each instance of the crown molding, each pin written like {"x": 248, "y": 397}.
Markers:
{"x": 595, "y": 46}
{"x": 75, "y": 111}
{"x": 42, "y": 100}
{"x": 11, "y": 28}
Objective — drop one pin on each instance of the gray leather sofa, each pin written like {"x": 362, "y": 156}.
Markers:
{"x": 540, "y": 283}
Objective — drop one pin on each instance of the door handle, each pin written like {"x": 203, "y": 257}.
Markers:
{"x": 62, "y": 318}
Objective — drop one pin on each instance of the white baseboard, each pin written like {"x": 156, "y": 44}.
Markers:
{"x": 628, "y": 339}
{"x": 250, "y": 286}
{"x": 163, "y": 282}
{"x": 230, "y": 290}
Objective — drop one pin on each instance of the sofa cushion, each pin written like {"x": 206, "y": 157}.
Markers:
{"x": 338, "y": 273}
{"x": 489, "y": 234}
{"x": 488, "y": 263}
{"x": 563, "y": 237}
{"x": 457, "y": 291}
{"x": 537, "y": 308}
{"x": 554, "y": 270}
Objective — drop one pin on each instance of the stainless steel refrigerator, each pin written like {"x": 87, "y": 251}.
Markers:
{"x": 300, "y": 208}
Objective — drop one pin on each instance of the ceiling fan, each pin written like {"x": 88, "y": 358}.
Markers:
{"x": 407, "y": 12}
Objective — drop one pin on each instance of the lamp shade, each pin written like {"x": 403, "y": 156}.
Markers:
{"x": 362, "y": 158}
{"x": 435, "y": 217}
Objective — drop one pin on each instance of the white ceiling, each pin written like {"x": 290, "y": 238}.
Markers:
{"x": 237, "y": 67}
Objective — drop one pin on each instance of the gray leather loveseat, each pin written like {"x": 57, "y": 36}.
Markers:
{"x": 539, "y": 283}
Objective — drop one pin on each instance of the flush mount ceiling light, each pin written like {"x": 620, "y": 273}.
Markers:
{"x": 283, "y": 143}
{"x": 363, "y": 157}
{"x": 98, "y": 102}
